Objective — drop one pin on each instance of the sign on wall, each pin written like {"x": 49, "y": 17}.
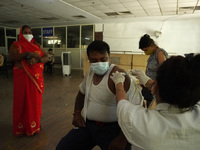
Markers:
{"x": 47, "y": 32}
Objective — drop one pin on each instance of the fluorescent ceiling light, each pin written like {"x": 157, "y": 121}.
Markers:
{"x": 79, "y": 9}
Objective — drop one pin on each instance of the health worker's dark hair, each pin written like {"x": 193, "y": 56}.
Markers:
{"x": 178, "y": 80}
{"x": 145, "y": 41}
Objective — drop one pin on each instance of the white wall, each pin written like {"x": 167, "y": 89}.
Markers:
{"x": 178, "y": 36}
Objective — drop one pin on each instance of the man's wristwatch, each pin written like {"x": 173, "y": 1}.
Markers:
{"x": 28, "y": 56}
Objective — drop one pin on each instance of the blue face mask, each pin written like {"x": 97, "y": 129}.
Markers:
{"x": 100, "y": 68}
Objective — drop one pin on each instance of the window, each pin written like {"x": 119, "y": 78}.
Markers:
{"x": 37, "y": 34}
{"x": 11, "y": 32}
{"x": 73, "y": 36}
{"x": 2, "y": 37}
{"x": 60, "y": 37}
{"x": 48, "y": 40}
{"x": 86, "y": 35}
{"x": 10, "y": 42}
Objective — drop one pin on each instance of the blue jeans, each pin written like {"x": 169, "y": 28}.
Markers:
{"x": 95, "y": 133}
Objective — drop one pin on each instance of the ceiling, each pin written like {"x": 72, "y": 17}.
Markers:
{"x": 15, "y": 13}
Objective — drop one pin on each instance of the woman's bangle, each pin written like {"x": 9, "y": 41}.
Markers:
{"x": 120, "y": 90}
{"x": 76, "y": 112}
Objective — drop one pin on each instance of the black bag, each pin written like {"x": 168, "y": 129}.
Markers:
{"x": 147, "y": 94}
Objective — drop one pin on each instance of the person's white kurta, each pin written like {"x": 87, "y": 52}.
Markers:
{"x": 165, "y": 128}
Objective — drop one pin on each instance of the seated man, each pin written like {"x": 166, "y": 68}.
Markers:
{"x": 95, "y": 118}
{"x": 51, "y": 61}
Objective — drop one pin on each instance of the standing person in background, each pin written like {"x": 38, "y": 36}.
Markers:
{"x": 95, "y": 117}
{"x": 156, "y": 58}
{"x": 51, "y": 61}
{"x": 175, "y": 122}
{"x": 29, "y": 58}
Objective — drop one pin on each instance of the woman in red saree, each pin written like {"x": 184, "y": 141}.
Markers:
{"x": 29, "y": 58}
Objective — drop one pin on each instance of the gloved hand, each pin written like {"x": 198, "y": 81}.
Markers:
{"x": 140, "y": 75}
{"x": 118, "y": 77}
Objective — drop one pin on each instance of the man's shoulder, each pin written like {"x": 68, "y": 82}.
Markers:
{"x": 127, "y": 78}
{"x": 117, "y": 68}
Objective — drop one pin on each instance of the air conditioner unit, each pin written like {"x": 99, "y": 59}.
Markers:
{"x": 66, "y": 63}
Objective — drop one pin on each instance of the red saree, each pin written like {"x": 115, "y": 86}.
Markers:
{"x": 28, "y": 90}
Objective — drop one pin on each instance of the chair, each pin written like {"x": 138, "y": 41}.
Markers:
{"x": 47, "y": 68}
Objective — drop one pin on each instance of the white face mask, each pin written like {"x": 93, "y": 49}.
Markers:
{"x": 29, "y": 37}
{"x": 100, "y": 68}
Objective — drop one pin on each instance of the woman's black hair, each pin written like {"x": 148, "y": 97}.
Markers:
{"x": 99, "y": 46}
{"x": 145, "y": 41}
{"x": 25, "y": 26}
{"x": 178, "y": 81}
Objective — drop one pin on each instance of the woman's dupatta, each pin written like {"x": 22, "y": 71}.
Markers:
{"x": 34, "y": 72}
